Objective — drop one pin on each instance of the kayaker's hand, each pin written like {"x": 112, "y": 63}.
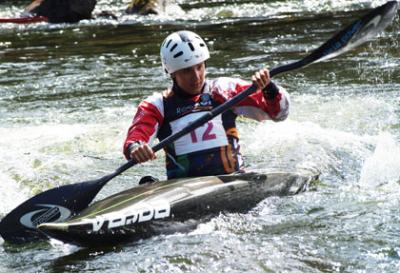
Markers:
{"x": 261, "y": 78}
{"x": 142, "y": 152}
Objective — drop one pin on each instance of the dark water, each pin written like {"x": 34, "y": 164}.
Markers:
{"x": 68, "y": 93}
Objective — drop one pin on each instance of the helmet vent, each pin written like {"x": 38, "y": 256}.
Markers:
{"x": 173, "y": 47}
{"x": 202, "y": 45}
{"x": 168, "y": 43}
{"x": 191, "y": 46}
{"x": 178, "y": 54}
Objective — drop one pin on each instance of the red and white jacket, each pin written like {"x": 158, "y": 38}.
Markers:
{"x": 213, "y": 148}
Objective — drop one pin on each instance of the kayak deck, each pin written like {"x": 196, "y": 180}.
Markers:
{"x": 149, "y": 209}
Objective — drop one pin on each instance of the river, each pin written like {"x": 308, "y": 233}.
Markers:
{"x": 68, "y": 94}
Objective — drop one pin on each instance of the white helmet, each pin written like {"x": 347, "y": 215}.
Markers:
{"x": 183, "y": 49}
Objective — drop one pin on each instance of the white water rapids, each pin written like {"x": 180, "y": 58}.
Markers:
{"x": 68, "y": 94}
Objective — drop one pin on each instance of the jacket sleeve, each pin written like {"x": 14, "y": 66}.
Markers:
{"x": 256, "y": 106}
{"x": 145, "y": 124}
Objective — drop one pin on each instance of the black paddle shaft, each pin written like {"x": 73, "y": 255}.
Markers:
{"x": 58, "y": 204}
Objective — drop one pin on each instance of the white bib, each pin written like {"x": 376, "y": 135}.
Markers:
{"x": 210, "y": 135}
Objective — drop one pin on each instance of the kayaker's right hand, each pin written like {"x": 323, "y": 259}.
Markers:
{"x": 142, "y": 152}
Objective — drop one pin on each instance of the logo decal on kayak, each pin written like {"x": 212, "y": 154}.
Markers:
{"x": 141, "y": 212}
{"x": 48, "y": 213}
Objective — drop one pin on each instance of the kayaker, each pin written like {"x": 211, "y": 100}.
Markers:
{"x": 61, "y": 11}
{"x": 213, "y": 148}
{"x": 72, "y": 11}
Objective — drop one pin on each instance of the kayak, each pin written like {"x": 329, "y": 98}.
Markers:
{"x": 24, "y": 20}
{"x": 164, "y": 207}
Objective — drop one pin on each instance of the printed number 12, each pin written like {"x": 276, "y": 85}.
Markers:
{"x": 207, "y": 135}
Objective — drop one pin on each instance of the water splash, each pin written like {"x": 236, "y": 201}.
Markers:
{"x": 10, "y": 194}
{"x": 290, "y": 145}
{"x": 383, "y": 166}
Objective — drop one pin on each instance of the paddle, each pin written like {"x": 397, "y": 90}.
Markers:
{"x": 60, "y": 203}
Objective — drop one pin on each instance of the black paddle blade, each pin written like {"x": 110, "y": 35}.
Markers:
{"x": 360, "y": 31}
{"x": 53, "y": 205}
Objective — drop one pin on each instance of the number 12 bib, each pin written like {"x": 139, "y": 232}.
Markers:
{"x": 210, "y": 135}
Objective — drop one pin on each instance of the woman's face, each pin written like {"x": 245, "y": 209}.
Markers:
{"x": 191, "y": 79}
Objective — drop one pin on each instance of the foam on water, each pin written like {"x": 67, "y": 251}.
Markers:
{"x": 336, "y": 107}
{"x": 10, "y": 194}
{"x": 31, "y": 154}
{"x": 383, "y": 166}
{"x": 22, "y": 162}
{"x": 291, "y": 144}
